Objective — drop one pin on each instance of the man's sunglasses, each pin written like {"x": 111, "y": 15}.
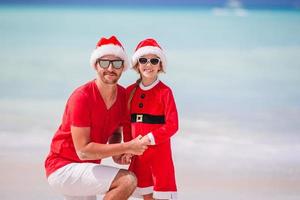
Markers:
{"x": 117, "y": 64}
{"x": 153, "y": 61}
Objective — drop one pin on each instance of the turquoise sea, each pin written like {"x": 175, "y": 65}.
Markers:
{"x": 235, "y": 77}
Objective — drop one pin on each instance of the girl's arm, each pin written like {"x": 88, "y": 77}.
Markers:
{"x": 171, "y": 121}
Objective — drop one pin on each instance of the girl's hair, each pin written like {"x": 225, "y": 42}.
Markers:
{"x": 133, "y": 91}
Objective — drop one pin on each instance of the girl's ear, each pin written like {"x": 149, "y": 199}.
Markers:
{"x": 161, "y": 68}
{"x": 135, "y": 67}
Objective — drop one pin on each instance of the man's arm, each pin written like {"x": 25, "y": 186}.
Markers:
{"x": 122, "y": 159}
{"x": 87, "y": 150}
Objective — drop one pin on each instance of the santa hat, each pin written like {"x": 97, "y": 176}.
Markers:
{"x": 149, "y": 46}
{"x": 110, "y": 46}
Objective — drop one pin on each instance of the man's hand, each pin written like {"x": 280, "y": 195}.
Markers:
{"x": 137, "y": 146}
{"x": 123, "y": 159}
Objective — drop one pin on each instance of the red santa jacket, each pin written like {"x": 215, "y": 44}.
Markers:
{"x": 152, "y": 110}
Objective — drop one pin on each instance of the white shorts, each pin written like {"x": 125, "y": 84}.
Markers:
{"x": 82, "y": 181}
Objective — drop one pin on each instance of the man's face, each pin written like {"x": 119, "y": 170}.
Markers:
{"x": 109, "y": 72}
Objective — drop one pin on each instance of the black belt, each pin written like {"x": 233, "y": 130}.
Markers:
{"x": 149, "y": 119}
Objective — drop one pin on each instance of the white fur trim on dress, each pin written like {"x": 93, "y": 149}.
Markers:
{"x": 109, "y": 49}
{"x": 165, "y": 195}
{"x": 139, "y": 192}
{"x": 150, "y": 50}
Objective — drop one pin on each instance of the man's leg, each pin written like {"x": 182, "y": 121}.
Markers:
{"x": 122, "y": 186}
{"x": 83, "y": 181}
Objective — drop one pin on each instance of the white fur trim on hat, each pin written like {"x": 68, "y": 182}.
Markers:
{"x": 109, "y": 49}
{"x": 149, "y": 50}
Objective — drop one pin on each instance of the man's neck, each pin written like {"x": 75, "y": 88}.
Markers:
{"x": 107, "y": 91}
{"x": 105, "y": 87}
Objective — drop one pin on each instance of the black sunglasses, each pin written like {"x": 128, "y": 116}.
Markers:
{"x": 117, "y": 64}
{"x": 153, "y": 61}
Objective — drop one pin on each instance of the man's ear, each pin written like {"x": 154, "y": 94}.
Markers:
{"x": 96, "y": 67}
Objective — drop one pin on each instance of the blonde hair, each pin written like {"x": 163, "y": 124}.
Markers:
{"x": 133, "y": 91}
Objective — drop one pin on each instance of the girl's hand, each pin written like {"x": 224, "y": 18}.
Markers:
{"x": 145, "y": 139}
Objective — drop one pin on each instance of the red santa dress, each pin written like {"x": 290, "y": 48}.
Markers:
{"x": 153, "y": 112}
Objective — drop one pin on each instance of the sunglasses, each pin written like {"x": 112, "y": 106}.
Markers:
{"x": 117, "y": 64}
{"x": 153, "y": 61}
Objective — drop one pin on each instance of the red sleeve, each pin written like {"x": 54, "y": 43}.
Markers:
{"x": 79, "y": 110}
{"x": 171, "y": 120}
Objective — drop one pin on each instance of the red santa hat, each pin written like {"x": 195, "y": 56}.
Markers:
{"x": 149, "y": 46}
{"x": 110, "y": 46}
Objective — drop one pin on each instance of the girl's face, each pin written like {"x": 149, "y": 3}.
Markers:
{"x": 149, "y": 65}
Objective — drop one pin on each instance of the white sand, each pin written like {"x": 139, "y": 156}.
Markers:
{"x": 22, "y": 177}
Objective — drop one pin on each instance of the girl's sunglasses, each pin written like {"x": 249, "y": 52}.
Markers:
{"x": 153, "y": 61}
{"x": 117, "y": 64}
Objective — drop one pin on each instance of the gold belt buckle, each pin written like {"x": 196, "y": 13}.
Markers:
{"x": 139, "y": 118}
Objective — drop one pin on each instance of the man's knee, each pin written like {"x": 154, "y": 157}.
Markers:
{"x": 128, "y": 179}
{"x": 125, "y": 179}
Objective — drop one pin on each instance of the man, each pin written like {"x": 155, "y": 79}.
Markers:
{"x": 91, "y": 130}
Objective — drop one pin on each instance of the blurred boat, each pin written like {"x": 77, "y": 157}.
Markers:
{"x": 232, "y": 7}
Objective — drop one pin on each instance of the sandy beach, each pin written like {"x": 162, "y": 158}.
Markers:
{"x": 24, "y": 179}
{"x": 200, "y": 175}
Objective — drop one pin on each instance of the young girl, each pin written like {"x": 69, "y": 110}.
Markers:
{"x": 153, "y": 115}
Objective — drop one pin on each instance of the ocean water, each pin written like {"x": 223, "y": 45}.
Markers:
{"x": 235, "y": 78}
